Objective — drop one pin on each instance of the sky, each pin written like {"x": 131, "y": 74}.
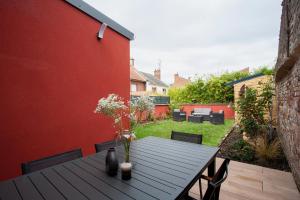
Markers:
{"x": 198, "y": 37}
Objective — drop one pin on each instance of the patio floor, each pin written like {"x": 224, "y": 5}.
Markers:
{"x": 253, "y": 182}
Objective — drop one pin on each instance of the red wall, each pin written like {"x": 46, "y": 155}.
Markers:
{"x": 161, "y": 111}
{"x": 228, "y": 110}
{"x": 53, "y": 70}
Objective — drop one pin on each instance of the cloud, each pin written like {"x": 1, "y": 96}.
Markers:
{"x": 197, "y": 36}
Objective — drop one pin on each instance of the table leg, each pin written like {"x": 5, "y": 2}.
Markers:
{"x": 211, "y": 171}
{"x": 212, "y": 168}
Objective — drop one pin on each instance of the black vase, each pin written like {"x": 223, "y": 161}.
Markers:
{"x": 112, "y": 163}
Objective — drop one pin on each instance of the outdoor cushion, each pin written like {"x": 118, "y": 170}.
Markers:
{"x": 202, "y": 111}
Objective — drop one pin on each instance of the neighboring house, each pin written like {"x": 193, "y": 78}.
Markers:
{"x": 179, "y": 82}
{"x": 154, "y": 85}
{"x": 137, "y": 82}
{"x": 146, "y": 84}
{"x": 53, "y": 70}
{"x": 287, "y": 81}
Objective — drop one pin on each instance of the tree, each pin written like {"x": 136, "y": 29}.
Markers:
{"x": 213, "y": 89}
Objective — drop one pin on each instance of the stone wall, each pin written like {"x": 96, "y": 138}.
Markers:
{"x": 288, "y": 84}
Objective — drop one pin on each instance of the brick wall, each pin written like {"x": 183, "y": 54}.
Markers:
{"x": 253, "y": 83}
{"x": 179, "y": 82}
{"x": 140, "y": 86}
{"x": 288, "y": 84}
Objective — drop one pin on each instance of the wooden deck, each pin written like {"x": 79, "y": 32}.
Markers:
{"x": 251, "y": 182}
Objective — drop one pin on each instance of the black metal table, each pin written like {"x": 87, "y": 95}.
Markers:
{"x": 162, "y": 169}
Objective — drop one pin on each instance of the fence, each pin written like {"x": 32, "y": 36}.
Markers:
{"x": 157, "y": 100}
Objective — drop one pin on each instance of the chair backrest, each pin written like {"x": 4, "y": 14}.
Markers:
{"x": 186, "y": 137}
{"x": 204, "y": 111}
{"x": 214, "y": 185}
{"x": 106, "y": 145}
{"x": 39, "y": 164}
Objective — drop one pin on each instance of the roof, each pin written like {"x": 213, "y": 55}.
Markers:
{"x": 99, "y": 16}
{"x": 135, "y": 75}
{"x": 180, "y": 82}
{"x": 244, "y": 79}
{"x": 153, "y": 80}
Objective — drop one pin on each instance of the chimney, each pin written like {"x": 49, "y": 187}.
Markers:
{"x": 246, "y": 70}
{"x": 176, "y": 77}
{"x": 132, "y": 62}
{"x": 157, "y": 73}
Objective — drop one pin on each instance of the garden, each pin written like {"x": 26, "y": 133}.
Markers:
{"x": 212, "y": 134}
{"x": 251, "y": 139}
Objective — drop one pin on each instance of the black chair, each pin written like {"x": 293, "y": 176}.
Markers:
{"x": 179, "y": 116}
{"x": 106, "y": 145}
{"x": 214, "y": 183}
{"x": 39, "y": 164}
{"x": 217, "y": 117}
{"x": 186, "y": 137}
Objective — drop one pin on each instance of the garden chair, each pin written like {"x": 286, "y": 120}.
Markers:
{"x": 186, "y": 137}
{"x": 39, "y": 164}
{"x": 214, "y": 183}
{"x": 204, "y": 112}
{"x": 217, "y": 117}
{"x": 106, "y": 145}
{"x": 179, "y": 115}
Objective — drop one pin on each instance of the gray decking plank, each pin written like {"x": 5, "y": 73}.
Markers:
{"x": 45, "y": 187}
{"x": 98, "y": 170}
{"x": 69, "y": 191}
{"x": 148, "y": 170}
{"x": 27, "y": 190}
{"x": 8, "y": 191}
{"x": 84, "y": 188}
{"x": 98, "y": 184}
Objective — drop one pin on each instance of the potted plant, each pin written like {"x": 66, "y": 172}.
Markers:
{"x": 114, "y": 107}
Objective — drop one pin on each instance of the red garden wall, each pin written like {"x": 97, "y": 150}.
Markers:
{"x": 228, "y": 111}
{"x": 160, "y": 112}
{"x": 53, "y": 70}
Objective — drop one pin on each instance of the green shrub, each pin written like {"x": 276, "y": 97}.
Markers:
{"x": 248, "y": 153}
{"x": 251, "y": 112}
{"x": 212, "y": 89}
{"x": 239, "y": 144}
{"x": 241, "y": 150}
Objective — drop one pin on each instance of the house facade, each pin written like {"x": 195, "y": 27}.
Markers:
{"x": 179, "y": 82}
{"x": 137, "y": 82}
{"x": 143, "y": 83}
{"x": 54, "y": 66}
{"x": 154, "y": 84}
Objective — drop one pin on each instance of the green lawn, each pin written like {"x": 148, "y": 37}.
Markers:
{"x": 212, "y": 134}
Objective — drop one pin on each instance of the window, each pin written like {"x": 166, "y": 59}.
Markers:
{"x": 133, "y": 88}
{"x": 164, "y": 90}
